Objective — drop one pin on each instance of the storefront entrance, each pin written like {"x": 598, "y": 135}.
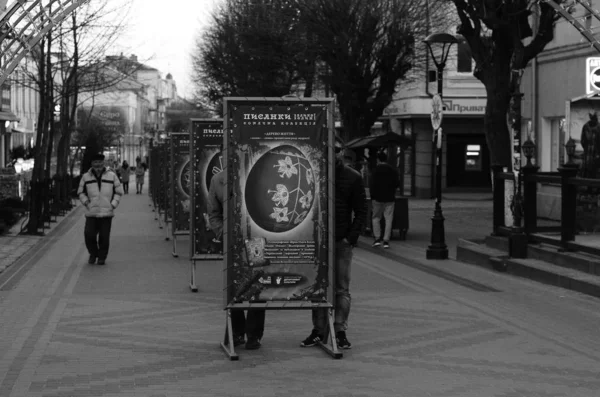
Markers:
{"x": 468, "y": 161}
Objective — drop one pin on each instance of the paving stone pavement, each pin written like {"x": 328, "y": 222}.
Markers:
{"x": 418, "y": 327}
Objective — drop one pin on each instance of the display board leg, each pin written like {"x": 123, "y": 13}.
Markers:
{"x": 193, "y": 285}
{"x": 227, "y": 344}
{"x": 167, "y": 229}
{"x": 332, "y": 349}
{"x": 175, "y": 254}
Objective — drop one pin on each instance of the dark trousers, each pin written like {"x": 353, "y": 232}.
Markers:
{"x": 97, "y": 236}
{"x": 126, "y": 187}
{"x": 253, "y": 324}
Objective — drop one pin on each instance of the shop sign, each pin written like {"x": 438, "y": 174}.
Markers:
{"x": 592, "y": 75}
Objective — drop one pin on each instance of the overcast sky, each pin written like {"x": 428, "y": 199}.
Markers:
{"x": 164, "y": 32}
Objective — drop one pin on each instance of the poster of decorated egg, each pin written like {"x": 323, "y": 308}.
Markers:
{"x": 206, "y": 161}
{"x": 278, "y": 224}
{"x": 280, "y": 189}
{"x": 180, "y": 180}
{"x": 185, "y": 178}
{"x": 215, "y": 165}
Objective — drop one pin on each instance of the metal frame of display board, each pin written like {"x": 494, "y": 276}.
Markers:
{"x": 329, "y": 345}
{"x": 195, "y": 185}
{"x": 167, "y": 178}
{"x": 150, "y": 176}
{"x": 159, "y": 184}
{"x": 174, "y": 192}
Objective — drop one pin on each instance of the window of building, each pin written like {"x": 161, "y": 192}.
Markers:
{"x": 464, "y": 59}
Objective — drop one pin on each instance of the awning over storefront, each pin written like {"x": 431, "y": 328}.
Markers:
{"x": 22, "y": 130}
{"x": 7, "y": 115}
{"x": 377, "y": 141}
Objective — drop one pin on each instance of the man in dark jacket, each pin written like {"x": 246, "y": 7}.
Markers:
{"x": 350, "y": 217}
{"x": 384, "y": 182}
{"x": 254, "y": 325}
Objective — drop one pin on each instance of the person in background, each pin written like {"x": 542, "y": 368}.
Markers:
{"x": 253, "y": 324}
{"x": 99, "y": 191}
{"x": 140, "y": 172}
{"x": 125, "y": 175}
{"x": 350, "y": 217}
{"x": 383, "y": 185}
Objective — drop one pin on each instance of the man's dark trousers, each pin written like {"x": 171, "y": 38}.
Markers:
{"x": 253, "y": 326}
{"x": 97, "y": 236}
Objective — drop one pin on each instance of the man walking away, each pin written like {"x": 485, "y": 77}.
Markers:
{"x": 384, "y": 183}
{"x": 100, "y": 191}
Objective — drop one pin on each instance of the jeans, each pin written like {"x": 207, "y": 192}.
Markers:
{"x": 126, "y": 187}
{"x": 387, "y": 210}
{"x": 253, "y": 325}
{"x": 97, "y": 236}
{"x": 343, "y": 260}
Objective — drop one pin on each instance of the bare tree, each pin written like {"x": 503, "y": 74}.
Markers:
{"x": 503, "y": 41}
{"x": 252, "y": 48}
{"x": 371, "y": 48}
{"x": 67, "y": 53}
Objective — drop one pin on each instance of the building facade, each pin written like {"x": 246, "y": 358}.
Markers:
{"x": 134, "y": 109}
{"x": 553, "y": 82}
{"x": 465, "y": 157}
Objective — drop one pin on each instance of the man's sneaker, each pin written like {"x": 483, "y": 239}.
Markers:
{"x": 377, "y": 243}
{"x": 92, "y": 260}
{"x": 253, "y": 344}
{"x": 342, "y": 341}
{"x": 386, "y": 244}
{"x": 101, "y": 261}
{"x": 314, "y": 338}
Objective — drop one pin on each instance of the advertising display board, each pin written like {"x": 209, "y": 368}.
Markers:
{"x": 166, "y": 171}
{"x": 206, "y": 160}
{"x": 180, "y": 189}
{"x": 279, "y": 215}
{"x": 279, "y": 227}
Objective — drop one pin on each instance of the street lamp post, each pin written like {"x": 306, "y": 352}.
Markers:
{"x": 438, "y": 248}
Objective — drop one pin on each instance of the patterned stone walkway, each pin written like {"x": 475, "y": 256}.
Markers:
{"x": 419, "y": 328}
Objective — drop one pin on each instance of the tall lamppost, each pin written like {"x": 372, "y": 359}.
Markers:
{"x": 438, "y": 41}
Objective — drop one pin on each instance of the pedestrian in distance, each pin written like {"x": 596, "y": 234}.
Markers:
{"x": 350, "y": 217}
{"x": 251, "y": 325}
{"x": 99, "y": 191}
{"x": 383, "y": 185}
{"x": 140, "y": 172}
{"x": 125, "y": 175}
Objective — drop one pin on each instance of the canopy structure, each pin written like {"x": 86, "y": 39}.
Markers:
{"x": 23, "y": 23}
{"x": 378, "y": 141}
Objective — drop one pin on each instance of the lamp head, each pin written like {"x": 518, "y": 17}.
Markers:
{"x": 445, "y": 40}
{"x": 440, "y": 38}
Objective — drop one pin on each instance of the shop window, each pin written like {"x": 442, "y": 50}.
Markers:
{"x": 473, "y": 158}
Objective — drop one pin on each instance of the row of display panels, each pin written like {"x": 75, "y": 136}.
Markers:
{"x": 278, "y": 163}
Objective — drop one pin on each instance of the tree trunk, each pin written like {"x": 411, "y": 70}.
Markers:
{"x": 495, "y": 123}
